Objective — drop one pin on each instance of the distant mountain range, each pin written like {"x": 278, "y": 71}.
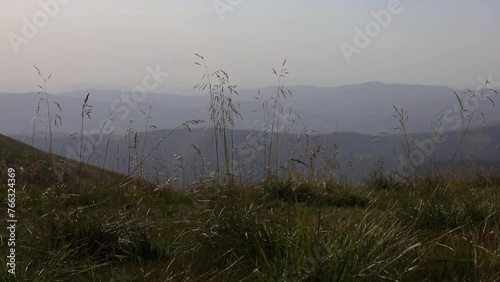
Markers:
{"x": 363, "y": 108}
{"x": 352, "y": 126}
{"x": 352, "y": 156}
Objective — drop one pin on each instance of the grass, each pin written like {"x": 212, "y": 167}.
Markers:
{"x": 429, "y": 229}
{"x": 82, "y": 223}
{"x": 223, "y": 113}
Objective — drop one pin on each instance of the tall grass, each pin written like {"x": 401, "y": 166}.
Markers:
{"x": 92, "y": 155}
{"x": 402, "y": 117}
{"x": 187, "y": 125}
{"x": 302, "y": 226}
{"x": 223, "y": 113}
{"x": 467, "y": 115}
{"x": 277, "y": 108}
{"x": 56, "y": 118}
{"x": 34, "y": 121}
{"x": 86, "y": 111}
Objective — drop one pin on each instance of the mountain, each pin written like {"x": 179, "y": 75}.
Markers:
{"x": 348, "y": 155}
{"x": 364, "y": 108}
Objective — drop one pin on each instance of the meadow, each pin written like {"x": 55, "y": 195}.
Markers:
{"x": 79, "y": 222}
{"x": 430, "y": 229}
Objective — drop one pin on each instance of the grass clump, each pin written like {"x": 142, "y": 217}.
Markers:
{"x": 328, "y": 194}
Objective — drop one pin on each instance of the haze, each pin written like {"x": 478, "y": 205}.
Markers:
{"x": 109, "y": 43}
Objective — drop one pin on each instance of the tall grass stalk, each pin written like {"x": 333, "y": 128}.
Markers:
{"x": 106, "y": 154}
{"x": 34, "y": 121}
{"x": 86, "y": 111}
{"x": 202, "y": 87}
{"x": 131, "y": 144}
{"x": 146, "y": 130}
{"x": 402, "y": 117}
{"x": 223, "y": 112}
{"x": 186, "y": 125}
{"x": 56, "y": 118}
{"x": 277, "y": 106}
{"x": 470, "y": 117}
{"x": 108, "y": 119}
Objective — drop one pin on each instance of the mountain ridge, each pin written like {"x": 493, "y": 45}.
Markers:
{"x": 364, "y": 108}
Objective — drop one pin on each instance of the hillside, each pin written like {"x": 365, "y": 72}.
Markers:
{"x": 430, "y": 229}
{"x": 39, "y": 168}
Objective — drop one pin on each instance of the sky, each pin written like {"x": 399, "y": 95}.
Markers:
{"x": 110, "y": 43}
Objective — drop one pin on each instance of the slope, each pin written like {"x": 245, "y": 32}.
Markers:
{"x": 37, "y": 168}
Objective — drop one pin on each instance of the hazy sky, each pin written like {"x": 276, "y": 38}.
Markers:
{"x": 447, "y": 42}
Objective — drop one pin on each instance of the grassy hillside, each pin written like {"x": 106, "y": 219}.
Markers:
{"x": 13, "y": 147}
{"x": 429, "y": 229}
{"x": 35, "y": 167}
